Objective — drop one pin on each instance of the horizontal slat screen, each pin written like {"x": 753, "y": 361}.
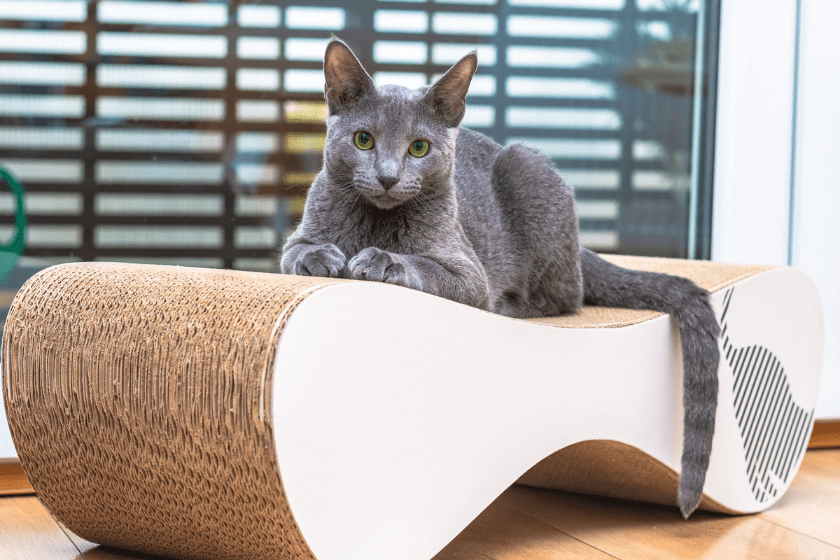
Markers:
{"x": 188, "y": 132}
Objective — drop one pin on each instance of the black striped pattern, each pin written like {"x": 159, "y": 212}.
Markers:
{"x": 773, "y": 427}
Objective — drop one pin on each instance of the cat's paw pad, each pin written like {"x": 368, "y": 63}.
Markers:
{"x": 379, "y": 266}
{"x": 326, "y": 260}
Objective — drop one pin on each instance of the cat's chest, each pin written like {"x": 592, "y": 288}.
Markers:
{"x": 394, "y": 232}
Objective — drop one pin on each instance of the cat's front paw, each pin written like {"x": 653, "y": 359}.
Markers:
{"x": 323, "y": 260}
{"x": 379, "y": 266}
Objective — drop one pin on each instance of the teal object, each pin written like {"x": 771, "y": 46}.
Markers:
{"x": 10, "y": 252}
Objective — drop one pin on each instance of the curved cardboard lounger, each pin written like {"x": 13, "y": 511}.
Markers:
{"x": 216, "y": 414}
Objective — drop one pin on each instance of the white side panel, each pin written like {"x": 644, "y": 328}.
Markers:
{"x": 754, "y": 132}
{"x": 816, "y": 204}
{"x": 399, "y": 416}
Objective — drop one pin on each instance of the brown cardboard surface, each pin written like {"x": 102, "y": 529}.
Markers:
{"x": 708, "y": 275}
{"x": 613, "y": 469}
{"x": 139, "y": 398}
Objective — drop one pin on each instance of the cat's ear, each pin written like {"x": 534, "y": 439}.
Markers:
{"x": 346, "y": 79}
{"x": 447, "y": 97}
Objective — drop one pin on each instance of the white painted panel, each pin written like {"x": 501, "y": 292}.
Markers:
{"x": 816, "y": 201}
{"x": 7, "y": 448}
{"x": 754, "y": 132}
{"x": 357, "y": 423}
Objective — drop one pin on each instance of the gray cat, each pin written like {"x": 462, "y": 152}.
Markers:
{"x": 409, "y": 198}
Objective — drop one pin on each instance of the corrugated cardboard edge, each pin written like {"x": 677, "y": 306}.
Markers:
{"x": 613, "y": 469}
{"x": 137, "y": 396}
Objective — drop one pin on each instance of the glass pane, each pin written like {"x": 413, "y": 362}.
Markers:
{"x": 189, "y": 134}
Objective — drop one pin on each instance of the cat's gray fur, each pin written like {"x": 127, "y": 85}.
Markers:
{"x": 488, "y": 226}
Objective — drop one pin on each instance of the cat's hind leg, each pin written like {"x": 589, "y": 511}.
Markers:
{"x": 538, "y": 213}
{"x": 548, "y": 292}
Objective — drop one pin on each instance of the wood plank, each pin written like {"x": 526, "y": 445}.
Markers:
{"x": 631, "y": 531}
{"x": 826, "y": 434}
{"x": 28, "y": 532}
{"x": 93, "y": 551}
{"x": 503, "y": 534}
{"x": 812, "y": 503}
{"x": 497, "y": 534}
{"x": 13, "y": 481}
{"x": 528, "y": 524}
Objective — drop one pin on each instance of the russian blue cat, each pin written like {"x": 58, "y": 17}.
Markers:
{"x": 408, "y": 197}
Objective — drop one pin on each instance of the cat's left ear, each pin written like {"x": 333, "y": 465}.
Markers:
{"x": 447, "y": 98}
{"x": 346, "y": 79}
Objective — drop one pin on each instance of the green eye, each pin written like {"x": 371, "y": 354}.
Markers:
{"x": 364, "y": 141}
{"x": 419, "y": 148}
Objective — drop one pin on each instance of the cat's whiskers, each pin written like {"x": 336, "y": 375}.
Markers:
{"x": 422, "y": 203}
{"x": 349, "y": 195}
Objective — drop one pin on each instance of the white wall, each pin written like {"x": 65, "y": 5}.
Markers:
{"x": 753, "y": 141}
{"x": 816, "y": 196}
{"x": 7, "y": 448}
{"x": 777, "y": 154}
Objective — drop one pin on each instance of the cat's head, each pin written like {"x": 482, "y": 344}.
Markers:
{"x": 391, "y": 143}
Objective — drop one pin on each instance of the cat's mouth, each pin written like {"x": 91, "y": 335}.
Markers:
{"x": 386, "y": 201}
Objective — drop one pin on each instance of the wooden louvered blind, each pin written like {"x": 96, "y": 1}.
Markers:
{"x": 187, "y": 132}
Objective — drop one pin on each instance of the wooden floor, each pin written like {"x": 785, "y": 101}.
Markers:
{"x": 528, "y": 524}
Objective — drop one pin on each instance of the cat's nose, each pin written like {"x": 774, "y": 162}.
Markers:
{"x": 387, "y": 182}
{"x": 387, "y": 170}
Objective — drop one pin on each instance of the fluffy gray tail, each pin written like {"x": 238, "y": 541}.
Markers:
{"x": 612, "y": 286}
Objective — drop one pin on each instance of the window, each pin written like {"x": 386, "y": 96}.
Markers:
{"x": 187, "y": 133}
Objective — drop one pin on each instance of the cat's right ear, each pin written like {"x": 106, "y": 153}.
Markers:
{"x": 447, "y": 97}
{"x": 346, "y": 79}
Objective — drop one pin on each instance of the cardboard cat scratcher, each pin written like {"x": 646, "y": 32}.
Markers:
{"x": 216, "y": 414}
